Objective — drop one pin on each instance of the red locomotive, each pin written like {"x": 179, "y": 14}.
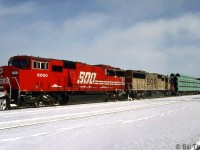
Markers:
{"x": 35, "y": 81}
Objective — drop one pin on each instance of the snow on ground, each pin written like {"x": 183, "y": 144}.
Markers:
{"x": 164, "y": 123}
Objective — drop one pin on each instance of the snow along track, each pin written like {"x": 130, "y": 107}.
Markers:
{"x": 65, "y": 117}
{"x": 164, "y": 123}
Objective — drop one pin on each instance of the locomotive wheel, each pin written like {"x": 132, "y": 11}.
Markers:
{"x": 58, "y": 100}
{"x": 121, "y": 96}
{"x": 107, "y": 98}
{"x": 65, "y": 99}
{"x": 3, "y": 104}
{"x": 21, "y": 102}
{"x": 38, "y": 104}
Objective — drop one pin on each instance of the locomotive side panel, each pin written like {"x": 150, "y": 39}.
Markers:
{"x": 135, "y": 80}
{"x": 43, "y": 76}
{"x": 161, "y": 82}
{"x": 152, "y": 81}
{"x": 99, "y": 78}
{"x": 139, "y": 81}
{"x": 99, "y": 82}
{"x": 58, "y": 76}
{"x": 86, "y": 77}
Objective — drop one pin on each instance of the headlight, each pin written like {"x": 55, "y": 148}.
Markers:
{"x": 1, "y": 70}
{"x": 2, "y": 94}
{"x": 15, "y": 72}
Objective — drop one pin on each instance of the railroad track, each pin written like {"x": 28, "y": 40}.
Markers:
{"x": 19, "y": 112}
{"x": 67, "y": 117}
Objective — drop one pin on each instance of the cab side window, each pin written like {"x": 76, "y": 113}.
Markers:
{"x": 40, "y": 65}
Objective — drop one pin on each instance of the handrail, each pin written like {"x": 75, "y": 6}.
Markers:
{"x": 10, "y": 86}
{"x": 18, "y": 86}
{"x": 7, "y": 81}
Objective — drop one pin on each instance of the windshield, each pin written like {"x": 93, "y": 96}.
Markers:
{"x": 19, "y": 63}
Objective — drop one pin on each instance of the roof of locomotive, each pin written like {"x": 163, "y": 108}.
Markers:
{"x": 145, "y": 72}
{"x": 108, "y": 67}
{"x": 50, "y": 59}
{"x": 30, "y": 57}
{"x": 137, "y": 71}
{"x": 40, "y": 58}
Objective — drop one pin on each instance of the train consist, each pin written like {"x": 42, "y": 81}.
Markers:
{"x": 34, "y": 81}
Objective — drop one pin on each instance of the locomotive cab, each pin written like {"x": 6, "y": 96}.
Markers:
{"x": 19, "y": 62}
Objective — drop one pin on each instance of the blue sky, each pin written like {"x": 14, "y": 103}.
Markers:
{"x": 160, "y": 36}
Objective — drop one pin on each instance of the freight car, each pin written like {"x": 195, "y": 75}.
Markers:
{"x": 185, "y": 84}
{"x": 141, "y": 84}
{"x": 35, "y": 81}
